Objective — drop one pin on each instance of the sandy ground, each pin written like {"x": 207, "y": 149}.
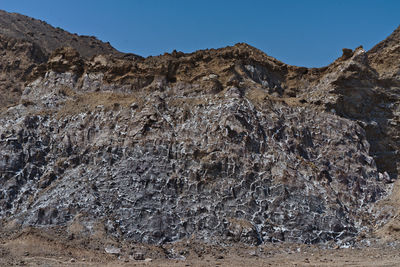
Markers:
{"x": 38, "y": 248}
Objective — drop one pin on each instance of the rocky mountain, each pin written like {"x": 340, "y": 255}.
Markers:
{"x": 220, "y": 145}
{"x": 27, "y": 42}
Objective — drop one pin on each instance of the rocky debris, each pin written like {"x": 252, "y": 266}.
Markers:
{"x": 139, "y": 256}
{"x": 223, "y": 146}
{"x": 112, "y": 250}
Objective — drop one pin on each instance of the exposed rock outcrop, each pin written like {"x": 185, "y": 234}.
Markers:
{"x": 26, "y": 42}
{"x": 226, "y": 145}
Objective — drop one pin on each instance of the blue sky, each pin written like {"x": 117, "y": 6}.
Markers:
{"x": 304, "y": 33}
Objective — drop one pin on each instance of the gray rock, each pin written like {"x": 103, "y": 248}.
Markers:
{"x": 112, "y": 250}
{"x": 156, "y": 154}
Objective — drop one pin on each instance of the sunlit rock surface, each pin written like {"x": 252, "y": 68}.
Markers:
{"x": 226, "y": 145}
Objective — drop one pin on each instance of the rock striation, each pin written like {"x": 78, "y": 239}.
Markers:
{"x": 221, "y": 145}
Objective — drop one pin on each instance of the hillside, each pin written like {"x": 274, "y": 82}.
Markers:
{"x": 220, "y": 146}
{"x": 27, "y": 42}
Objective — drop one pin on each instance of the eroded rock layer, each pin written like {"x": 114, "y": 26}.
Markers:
{"x": 226, "y": 145}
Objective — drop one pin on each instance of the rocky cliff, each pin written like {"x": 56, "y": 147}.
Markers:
{"x": 27, "y": 42}
{"x": 226, "y": 145}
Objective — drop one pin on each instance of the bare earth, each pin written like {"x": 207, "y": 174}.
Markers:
{"x": 38, "y": 248}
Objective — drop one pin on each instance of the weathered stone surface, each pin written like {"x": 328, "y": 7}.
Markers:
{"x": 220, "y": 169}
{"x": 25, "y": 43}
{"x": 226, "y": 145}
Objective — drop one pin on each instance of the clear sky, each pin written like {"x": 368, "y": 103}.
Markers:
{"x": 304, "y": 32}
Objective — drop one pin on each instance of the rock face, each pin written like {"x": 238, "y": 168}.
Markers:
{"x": 26, "y": 42}
{"x": 226, "y": 145}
